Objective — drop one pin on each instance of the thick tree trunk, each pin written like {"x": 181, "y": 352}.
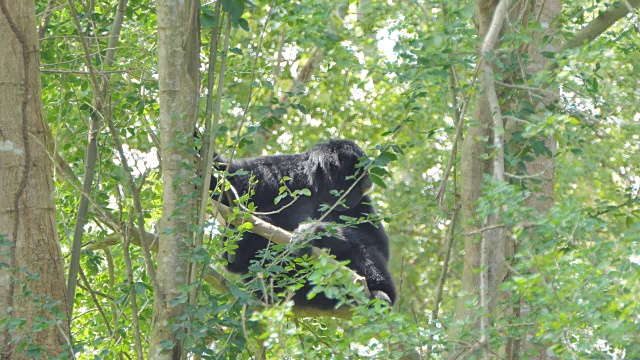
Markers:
{"x": 475, "y": 164}
{"x": 543, "y": 167}
{"x": 32, "y": 286}
{"x": 178, "y": 60}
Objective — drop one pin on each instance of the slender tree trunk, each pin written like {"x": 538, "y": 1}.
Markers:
{"x": 544, "y": 166}
{"x": 474, "y": 164}
{"x": 178, "y": 60}
{"x": 32, "y": 288}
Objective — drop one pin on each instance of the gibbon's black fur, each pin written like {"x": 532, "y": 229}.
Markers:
{"x": 322, "y": 169}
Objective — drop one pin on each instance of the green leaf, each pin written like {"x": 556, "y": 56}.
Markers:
{"x": 305, "y": 192}
{"x": 279, "y": 111}
{"x": 378, "y": 180}
{"x": 140, "y": 288}
{"x": 207, "y": 21}
{"x": 235, "y": 8}
{"x": 269, "y": 85}
{"x": 167, "y": 344}
{"x": 300, "y": 108}
{"x": 279, "y": 198}
{"x": 385, "y": 158}
{"x": 629, "y": 221}
{"x": 244, "y": 24}
{"x": 247, "y": 226}
{"x": 378, "y": 171}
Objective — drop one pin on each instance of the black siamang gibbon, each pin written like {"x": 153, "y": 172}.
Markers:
{"x": 338, "y": 184}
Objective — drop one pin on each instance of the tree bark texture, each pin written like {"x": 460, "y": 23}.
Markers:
{"x": 32, "y": 288}
{"x": 543, "y": 166}
{"x": 178, "y": 64}
{"x": 475, "y": 163}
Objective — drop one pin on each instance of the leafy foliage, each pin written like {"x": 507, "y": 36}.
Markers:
{"x": 379, "y": 73}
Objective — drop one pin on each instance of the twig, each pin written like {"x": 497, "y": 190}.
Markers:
{"x": 445, "y": 266}
{"x": 135, "y": 194}
{"x": 279, "y": 236}
{"x": 95, "y": 299}
{"x": 454, "y": 148}
{"x": 80, "y": 72}
{"x": 46, "y": 18}
{"x": 443, "y": 272}
{"x": 522, "y": 177}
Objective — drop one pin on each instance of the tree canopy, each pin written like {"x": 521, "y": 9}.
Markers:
{"x": 404, "y": 80}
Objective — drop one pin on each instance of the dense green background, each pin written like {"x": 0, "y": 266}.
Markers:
{"x": 382, "y": 80}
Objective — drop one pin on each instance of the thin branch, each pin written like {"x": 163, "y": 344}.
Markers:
{"x": 99, "y": 293}
{"x": 87, "y": 54}
{"x": 472, "y": 349}
{"x": 445, "y": 265}
{"x": 126, "y": 240}
{"x": 486, "y": 228}
{"x": 513, "y": 118}
{"x": 81, "y": 72}
{"x": 135, "y": 194}
{"x": 208, "y": 139}
{"x": 524, "y": 87}
{"x": 279, "y": 236}
{"x": 443, "y": 272}
{"x": 113, "y": 39}
{"x": 454, "y": 148}
{"x": 70, "y": 177}
{"x": 46, "y": 18}
{"x": 459, "y": 113}
{"x": 92, "y": 145}
{"x": 95, "y": 299}
{"x": 111, "y": 271}
{"x": 533, "y": 176}
{"x": 206, "y": 161}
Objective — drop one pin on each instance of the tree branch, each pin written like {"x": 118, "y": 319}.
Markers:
{"x": 281, "y": 237}
{"x": 601, "y": 23}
